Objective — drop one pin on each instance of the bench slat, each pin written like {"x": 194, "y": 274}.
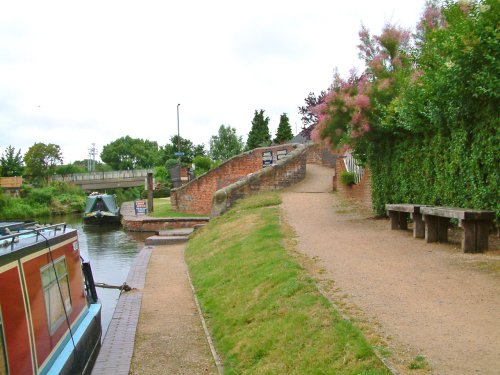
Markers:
{"x": 458, "y": 213}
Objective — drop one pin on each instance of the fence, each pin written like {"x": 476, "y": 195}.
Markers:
{"x": 351, "y": 164}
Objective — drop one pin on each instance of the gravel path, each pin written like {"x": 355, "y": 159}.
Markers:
{"x": 429, "y": 299}
{"x": 170, "y": 337}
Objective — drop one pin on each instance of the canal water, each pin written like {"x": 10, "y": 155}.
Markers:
{"x": 111, "y": 252}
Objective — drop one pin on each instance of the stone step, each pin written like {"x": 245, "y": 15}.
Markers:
{"x": 198, "y": 226}
{"x": 165, "y": 240}
{"x": 176, "y": 232}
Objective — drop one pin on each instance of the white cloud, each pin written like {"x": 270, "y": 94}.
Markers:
{"x": 77, "y": 73}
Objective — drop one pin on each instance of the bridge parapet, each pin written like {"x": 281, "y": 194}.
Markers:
{"x": 101, "y": 175}
{"x": 105, "y": 180}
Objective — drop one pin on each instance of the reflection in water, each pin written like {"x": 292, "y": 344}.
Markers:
{"x": 111, "y": 252}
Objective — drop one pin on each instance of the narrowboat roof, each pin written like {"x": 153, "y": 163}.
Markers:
{"x": 11, "y": 245}
{"x": 109, "y": 201}
{"x": 7, "y": 226}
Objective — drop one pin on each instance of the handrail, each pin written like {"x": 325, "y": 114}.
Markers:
{"x": 29, "y": 231}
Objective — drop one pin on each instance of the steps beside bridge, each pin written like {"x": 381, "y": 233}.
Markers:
{"x": 146, "y": 223}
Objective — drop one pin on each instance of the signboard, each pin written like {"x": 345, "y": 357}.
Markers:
{"x": 141, "y": 207}
{"x": 281, "y": 154}
{"x": 178, "y": 153}
{"x": 267, "y": 159}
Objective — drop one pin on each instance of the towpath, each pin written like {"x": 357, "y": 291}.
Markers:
{"x": 170, "y": 337}
{"x": 426, "y": 299}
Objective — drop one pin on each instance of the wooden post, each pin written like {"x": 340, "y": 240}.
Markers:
{"x": 431, "y": 228}
{"x": 482, "y": 233}
{"x": 394, "y": 215}
{"x": 418, "y": 225}
{"x": 150, "y": 191}
{"x": 442, "y": 228}
{"x": 403, "y": 220}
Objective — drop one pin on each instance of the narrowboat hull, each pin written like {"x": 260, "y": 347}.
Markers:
{"x": 101, "y": 209}
{"x": 50, "y": 320}
{"x": 98, "y": 218}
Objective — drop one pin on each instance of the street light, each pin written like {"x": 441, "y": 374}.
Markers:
{"x": 178, "y": 136}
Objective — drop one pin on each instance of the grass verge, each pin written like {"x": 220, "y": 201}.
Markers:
{"x": 265, "y": 312}
{"x": 163, "y": 208}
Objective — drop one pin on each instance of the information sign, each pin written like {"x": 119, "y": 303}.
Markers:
{"x": 281, "y": 154}
{"x": 140, "y": 207}
{"x": 267, "y": 158}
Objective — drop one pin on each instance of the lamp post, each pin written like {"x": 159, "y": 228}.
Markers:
{"x": 178, "y": 136}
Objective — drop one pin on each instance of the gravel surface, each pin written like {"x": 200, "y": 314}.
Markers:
{"x": 170, "y": 337}
{"x": 426, "y": 299}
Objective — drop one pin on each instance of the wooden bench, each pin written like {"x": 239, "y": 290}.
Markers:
{"x": 399, "y": 214}
{"x": 475, "y": 223}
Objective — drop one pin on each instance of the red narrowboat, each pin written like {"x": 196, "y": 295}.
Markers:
{"x": 50, "y": 317}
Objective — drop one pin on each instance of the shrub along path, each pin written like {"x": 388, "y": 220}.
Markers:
{"x": 426, "y": 299}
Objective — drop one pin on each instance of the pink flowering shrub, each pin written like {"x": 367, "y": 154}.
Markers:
{"x": 352, "y": 109}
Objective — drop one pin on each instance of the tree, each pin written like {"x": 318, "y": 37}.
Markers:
{"x": 309, "y": 117}
{"x": 284, "y": 132}
{"x": 189, "y": 150}
{"x": 259, "y": 134}
{"x": 69, "y": 169}
{"x": 41, "y": 160}
{"x": 225, "y": 144}
{"x": 131, "y": 153}
{"x": 11, "y": 163}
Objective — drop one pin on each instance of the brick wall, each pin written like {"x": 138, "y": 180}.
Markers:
{"x": 321, "y": 154}
{"x": 362, "y": 191}
{"x": 158, "y": 224}
{"x": 196, "y": 196}
{"x": 285, "y": 173}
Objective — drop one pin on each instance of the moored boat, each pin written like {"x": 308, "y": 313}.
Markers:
{"x": 100, "y": 209}
{"x": 50, "y": 317}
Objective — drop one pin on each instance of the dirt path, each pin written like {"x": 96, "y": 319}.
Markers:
{"x": 429, "y": 299}
{"x": 170, "y": 337}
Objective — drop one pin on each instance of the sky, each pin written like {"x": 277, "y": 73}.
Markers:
{"x": 77, "y": 73}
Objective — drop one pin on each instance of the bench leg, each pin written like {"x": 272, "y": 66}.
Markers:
{"x": 418, "y": 226}
{"x": 443, "y": 224}
{"x": 475, "y": 236}
{"x": 483, "y": 229}
{"x": 403, "y": 220}
{"x": 431, "y": 228}
{"x": 394, "y": 215}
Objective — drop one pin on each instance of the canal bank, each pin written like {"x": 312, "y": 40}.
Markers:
{"x": 156, "y": 327}
{"x": 145, "y": 223}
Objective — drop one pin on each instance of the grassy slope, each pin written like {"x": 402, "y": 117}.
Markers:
{"x": 163, "y": 208}
{"x": 265, "y": 313}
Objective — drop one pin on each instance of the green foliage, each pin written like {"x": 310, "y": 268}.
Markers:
{"x": 225, "y": 144}
{"x": 202, "y": 165}
{"x": 43, "y": 195}
{"x": 131, "y": 153}
{"x": 429, "y": 131}
{"x": 161, "y": 174}
{"x": 11, "y": 163}
{"x": 41, "y": 161}
{"x": 259, "y": 134}
{"x": 284, "y": 132}
{"x": 163, "y": 208}
{"x": 348, "y": 178}
{"x": 418, "y": 363}
{"x": 126, "y": 194}
{"x": 57, "y": 198}
{"x": 67, "y": 169}
{"x": 189, "y": 149}
{"x": 265, "y": 313}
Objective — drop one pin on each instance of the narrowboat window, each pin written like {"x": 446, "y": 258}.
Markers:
{"x": 3, "y": 354}
{"x": 53, "y": 303}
